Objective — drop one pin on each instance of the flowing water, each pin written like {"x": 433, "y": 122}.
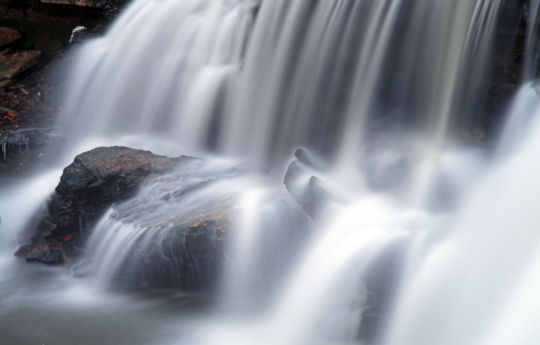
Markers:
{"x": 418, "y": 237}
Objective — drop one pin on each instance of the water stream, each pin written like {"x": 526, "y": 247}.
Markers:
{"x": 421, "y": 238}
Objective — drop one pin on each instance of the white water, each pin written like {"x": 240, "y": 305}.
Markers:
{"x": 375, "y": 88}
{"x": 19, "y": 203}
{"x": 472, "y": 287}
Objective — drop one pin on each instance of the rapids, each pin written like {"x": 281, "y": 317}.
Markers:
{"x": 424, "y": 239}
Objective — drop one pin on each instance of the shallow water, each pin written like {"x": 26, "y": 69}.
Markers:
{"x": 45, "y": 305}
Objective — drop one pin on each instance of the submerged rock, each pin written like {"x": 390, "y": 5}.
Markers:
{"x": 88, "y": 187}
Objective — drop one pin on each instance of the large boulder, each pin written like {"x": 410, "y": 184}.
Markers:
{"x": 171, "y": 234}
{"x": 187, "y": 225}
{"x": 134, "y": 219}
{"x": 88, "y": 187}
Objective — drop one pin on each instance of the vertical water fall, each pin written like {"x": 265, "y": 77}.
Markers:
{"x": 256, "y": 80}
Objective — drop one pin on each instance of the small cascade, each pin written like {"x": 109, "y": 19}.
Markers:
{"x": 183, "y": 228}
{"x": 521, "y": 119}
{"x": 181, "y": 63}
{"x": 147, "y": 240}
{"x": 14, "y": 218}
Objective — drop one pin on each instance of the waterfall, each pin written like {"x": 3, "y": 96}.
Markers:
{"x": 168, "y": 58}
{"x": 419, "y": 237}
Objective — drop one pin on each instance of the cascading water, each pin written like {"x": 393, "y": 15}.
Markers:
{"x": 202, "y": 83}
{"x": 405, "y": 241}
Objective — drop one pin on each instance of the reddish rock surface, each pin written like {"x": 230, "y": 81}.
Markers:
{"x": 8, "y": 36}
{"x": 88, "y": 187}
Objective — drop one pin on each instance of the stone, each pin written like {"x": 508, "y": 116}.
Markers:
{"x": 174, "y": 233}
{"x": 309, "y": 191}
{"x": 136, "y": 220}
{"x": 82, "y": 3}
{"x": 12, "y": 65}
{"x": 88, "y": 187}
{"x": 8, "y": 36}
{"x": 48, "y": 45}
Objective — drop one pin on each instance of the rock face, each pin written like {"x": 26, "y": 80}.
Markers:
{"x": 8, "y": 36}
{"x": 11, "y": 65}
{"x": 24, "y": 138}
{"x": 87, "y": 188}
{"x": 172, "y": 234}
{"x": 109, "y": 7}
{"x": 24, "y": 150}
{"x": 84, "y": 3}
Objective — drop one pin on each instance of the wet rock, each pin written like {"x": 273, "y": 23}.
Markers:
{"x": 305, "y": 187}
{"x": 176, "y": 232}
{"x": 175, "y": 244}
{"x": 88, "y": 187}
{"x": 11, "y": 65}
{"x": 8, "y": 36}
{"x": 136, "y": 220}
{"x": 109, "y": 7}
{"x": 26, "y": 149}
{"x": 49, "y": 45}
{"x": 80, "y": 34}
{"x": 45, "y": 253}
{"x": 25, "y": 138}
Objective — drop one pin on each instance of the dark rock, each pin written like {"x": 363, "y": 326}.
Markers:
{"x": 137, "y": 220}
{"x": 44, "y": 253}
{"x": 80, "y": 34}
{"x": 8, "y": 36}
{"x": 109, "y": 7}
{"x": 83, "y": 3}
{"x": 48, "y": 45}
{"x": 87, "y": 188}
{"x": 11, "y": 65}
{"x": 182, "y": 248}
{"x": 176, "y": 232}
